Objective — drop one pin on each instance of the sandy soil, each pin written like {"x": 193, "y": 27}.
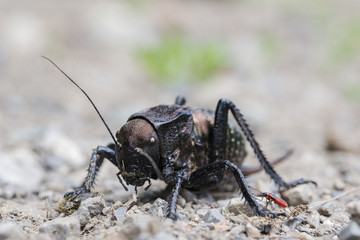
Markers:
{"x": 293, "y": 72}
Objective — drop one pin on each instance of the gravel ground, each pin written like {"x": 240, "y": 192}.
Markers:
{"x": 293, "y": 72}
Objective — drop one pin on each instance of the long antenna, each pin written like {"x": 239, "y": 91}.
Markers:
{"x": 92, "y": 103}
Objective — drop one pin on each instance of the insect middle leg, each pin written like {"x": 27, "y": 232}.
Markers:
{"x": 96, "y": 160}
{"x": 219, "y": 141}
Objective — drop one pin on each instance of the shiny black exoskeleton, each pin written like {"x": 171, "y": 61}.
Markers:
{"x": 183, "y": 146}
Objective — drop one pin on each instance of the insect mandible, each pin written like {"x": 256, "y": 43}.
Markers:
{"x": 185, "y": 147}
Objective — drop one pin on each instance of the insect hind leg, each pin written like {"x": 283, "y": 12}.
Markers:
{"x": 219, "y": 142}
{"x": 200, "y": 176}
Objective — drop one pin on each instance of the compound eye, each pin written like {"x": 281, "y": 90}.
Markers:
{"x": 152, "y": 141}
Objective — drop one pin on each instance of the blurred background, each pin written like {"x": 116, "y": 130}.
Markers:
{"x": 292, "y": 67}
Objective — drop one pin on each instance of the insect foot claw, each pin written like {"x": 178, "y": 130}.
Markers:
{"x": 283, "y": 214}
{"x": 273, "y": 215}
{"x": 173, "y": 216}
{"x": 76, "y": 192}
{"x": 72, "y": 200}
{"x": 264, "y": 213}
{"x": 297, "y": 182}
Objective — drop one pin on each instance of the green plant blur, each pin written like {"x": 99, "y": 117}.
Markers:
{"x": 176, "y": 59}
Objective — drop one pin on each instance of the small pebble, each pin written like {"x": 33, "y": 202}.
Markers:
{"x": 141, "y": 226}
{"x": 327, "y": 226}
{"x": 120, "y": 213}
{"x": 90, "y": 208}
{"x": 107, "y": 210}
{"x": 341, "y": 217}
{"x": 223, "y": 203}
{"x": 354, "y": 209}
{"x": 301, "y": 194}
{"x": 294, "y": 222}
{"x": 94, "y": 205}
{"x": 313, "y": 219}
{"x": 351, "y": 232}
{"x": 23, "y": 171}
{"x": 237, "y": 230}
{"x": 223, "y": 226}
{"x": 10, "y": 230}
{"x": 306, "y": 236}
{"x": 7, "y": 193}
{"x": 202, "y": 212}
{"x": 214, "y": 216}
{"x": 235, "y": 206}
{"x": 181, "y": 201}
{"x": 62, "y": 228}
{"x": 252, "y": 231}
{"x": 237, "y": 219}
{"x": 323, "y": 219}
{"x": 158, "y": 208}
{"x": 146, "y": 207}
{"x": 266, "y": 229}
{"x": 305, "y": 229}
{"x": 117, "y": 204}
{"x": 339, "y": 185}
{"x": 327, "y": 209}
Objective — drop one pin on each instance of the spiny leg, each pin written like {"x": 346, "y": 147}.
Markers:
{"x": 72, "y": 200}
{"x": 202, "y": 176}
{"x": 178, "y": 178}
{"x": 219, "y": 141}
{"x": 96, "y": 160}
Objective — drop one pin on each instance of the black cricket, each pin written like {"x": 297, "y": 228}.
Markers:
{"x": 185, "y": 147}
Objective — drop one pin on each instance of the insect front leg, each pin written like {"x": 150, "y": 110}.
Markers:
{"x": 96, "y": 160}
{"x": 214, "y": 172}
{"x": 219, "y": 141}
{"x": 176, "y": 179}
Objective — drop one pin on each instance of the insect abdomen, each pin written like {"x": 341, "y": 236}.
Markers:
{"x": 235, "y": 145}
{"x": 204, "y": 123}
